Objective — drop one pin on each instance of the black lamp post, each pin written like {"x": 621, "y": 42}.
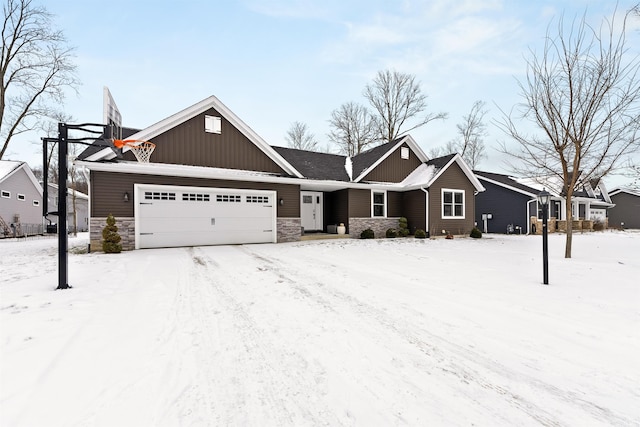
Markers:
{"x": 543, "y": 201}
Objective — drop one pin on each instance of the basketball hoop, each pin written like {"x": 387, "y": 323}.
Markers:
{"x": 141, "y": 149}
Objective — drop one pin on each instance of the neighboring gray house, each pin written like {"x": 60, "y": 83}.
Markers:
{"x": 509, "y": 205}
{"x": 506, "y": 205}
{"x": 626, "y": 213}
{"x": 82, "y": 208}
{"x": 20, "y": 200}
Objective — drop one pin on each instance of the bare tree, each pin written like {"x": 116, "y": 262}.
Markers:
{"x": 469, "y": 144}
{"x": 397, "y": 98}
{"x": 36, "y": 67}
{"x": 583, "y": 93}
{"x": 448, "y": 148}
{"x": 354, "y": 128}
{"x": 298, "y": 136}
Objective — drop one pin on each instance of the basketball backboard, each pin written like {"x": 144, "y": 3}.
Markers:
{"x": 111, "y": 115}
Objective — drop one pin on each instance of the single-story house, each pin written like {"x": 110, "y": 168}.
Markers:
{"x": 81, "y": 212}
{"x": 626, "y": 213}
{"x": 213, "y": 180}
{"x": 20, "y": 200}
{"x": 509, "y": 205}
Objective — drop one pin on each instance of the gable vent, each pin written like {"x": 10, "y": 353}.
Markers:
{"x": 212, "y": 124}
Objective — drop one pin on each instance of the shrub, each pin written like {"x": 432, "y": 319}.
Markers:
{"x": 403, "y": 227}
{"x": 110, "y": 237}
{"x": 420, "y": 234}
{"x": 598, "y": 225}
{"x": 476, "y": 233}
{"x": 391, "y": 233}
{"x": 367, "y": 234}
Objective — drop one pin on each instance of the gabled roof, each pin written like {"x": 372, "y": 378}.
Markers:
{"x": 11, "y": 167}
{"x": 624, "y": 190}
{"x": 315, "y": 165}
{"x": 99, "y": 144}
{"x": 365, "y": 162}
{"x": 443, "y": 163}
{"x": 507, "y": 182}
{"x": 192, "y": 111}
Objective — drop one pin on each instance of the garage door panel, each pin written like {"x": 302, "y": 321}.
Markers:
{"x": 190, "y": 216}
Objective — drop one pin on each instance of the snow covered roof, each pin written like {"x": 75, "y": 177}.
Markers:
{"x": 7, "y": 167}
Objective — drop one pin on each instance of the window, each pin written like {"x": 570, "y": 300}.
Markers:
{"x": 159, "y": 195}
{"x": 195, "y": 197}
{"x": 404, "y": 152}
{"x": 22, "y": 197}
{"x": 378, "y": 203}
{"x": 452, "y": 204}
{"x": 36, "y": 203}
{"x": 212, "y": 124}
{"x": 6, "y": 194}
{"x": 257, "y": 199}
{"x": 228, "y": 198}
{"x": 307, "y": 199}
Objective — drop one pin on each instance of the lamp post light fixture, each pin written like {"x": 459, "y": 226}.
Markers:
{"x": 543, "y": 201}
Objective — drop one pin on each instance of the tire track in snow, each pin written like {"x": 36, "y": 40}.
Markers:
{"x": 255, "y": 370}
{"x": 439, "y": 350}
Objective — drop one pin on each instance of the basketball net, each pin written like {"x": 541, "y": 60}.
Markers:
{"x": 141, "y": 149}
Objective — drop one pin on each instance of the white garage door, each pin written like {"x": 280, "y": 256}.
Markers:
{"x": 172, "y": 216}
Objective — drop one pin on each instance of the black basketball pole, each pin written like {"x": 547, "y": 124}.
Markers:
{"x": 63, "y": 242}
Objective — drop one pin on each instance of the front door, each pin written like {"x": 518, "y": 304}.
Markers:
{"x": 311, "y": 210}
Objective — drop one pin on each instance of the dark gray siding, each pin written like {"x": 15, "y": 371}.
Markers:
{"x": 394, "y": 168}
{"x": 107, "y": 191}
{"x": 359, "y": 203}
{"x": 452, "y": 178}
{"x": 415, "y": 209}
{"x": 506, "y": 206}
{"x": 394, "y": 204}
{"x": 336, "y": 208}
{"x": 627, "y": 210}
{"x": 189, "y": 144}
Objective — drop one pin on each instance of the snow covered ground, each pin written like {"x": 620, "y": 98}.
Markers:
{"x": 342, "y": 332}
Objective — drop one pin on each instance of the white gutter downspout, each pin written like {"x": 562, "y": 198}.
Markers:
{"x": 426, "y": 210}
{"x": 529, "y": 215}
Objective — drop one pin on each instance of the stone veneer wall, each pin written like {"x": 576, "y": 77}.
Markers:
{"x": 289, "y": 229}
{"x": 126, "y": 230}
{"x": 561, "y": 225}
{"x": 378, "y": 225}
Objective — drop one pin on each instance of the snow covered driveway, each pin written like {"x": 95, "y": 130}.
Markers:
{"x": 385, "y": 332}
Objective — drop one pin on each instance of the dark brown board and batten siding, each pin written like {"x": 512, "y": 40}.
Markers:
{"x": 112, "y": 186}
{"x": 394, "y": 168}
{"x": 189, "y": 144}
{"x": 455, "y": 179}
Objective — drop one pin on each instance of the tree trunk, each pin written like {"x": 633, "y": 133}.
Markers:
{"x": 569, "y": 216}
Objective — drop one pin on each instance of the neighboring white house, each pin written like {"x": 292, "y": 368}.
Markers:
{"x": 20, "y": 200}
{"x": 82, "y": 208}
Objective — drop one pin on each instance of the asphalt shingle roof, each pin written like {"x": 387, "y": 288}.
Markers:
{"x": 506, "y": 180}
{"x": 315, "y": 165}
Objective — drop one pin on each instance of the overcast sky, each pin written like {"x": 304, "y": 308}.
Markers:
{"x": 274, "y": 62}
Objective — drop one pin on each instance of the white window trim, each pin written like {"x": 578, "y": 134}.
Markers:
{"x": 384, "y": 192}
{"x": 452, "y": 190}
{"x": 6, "y": 194}
{"x": 404, "y": 153}
{"x": 21, "y": 197}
